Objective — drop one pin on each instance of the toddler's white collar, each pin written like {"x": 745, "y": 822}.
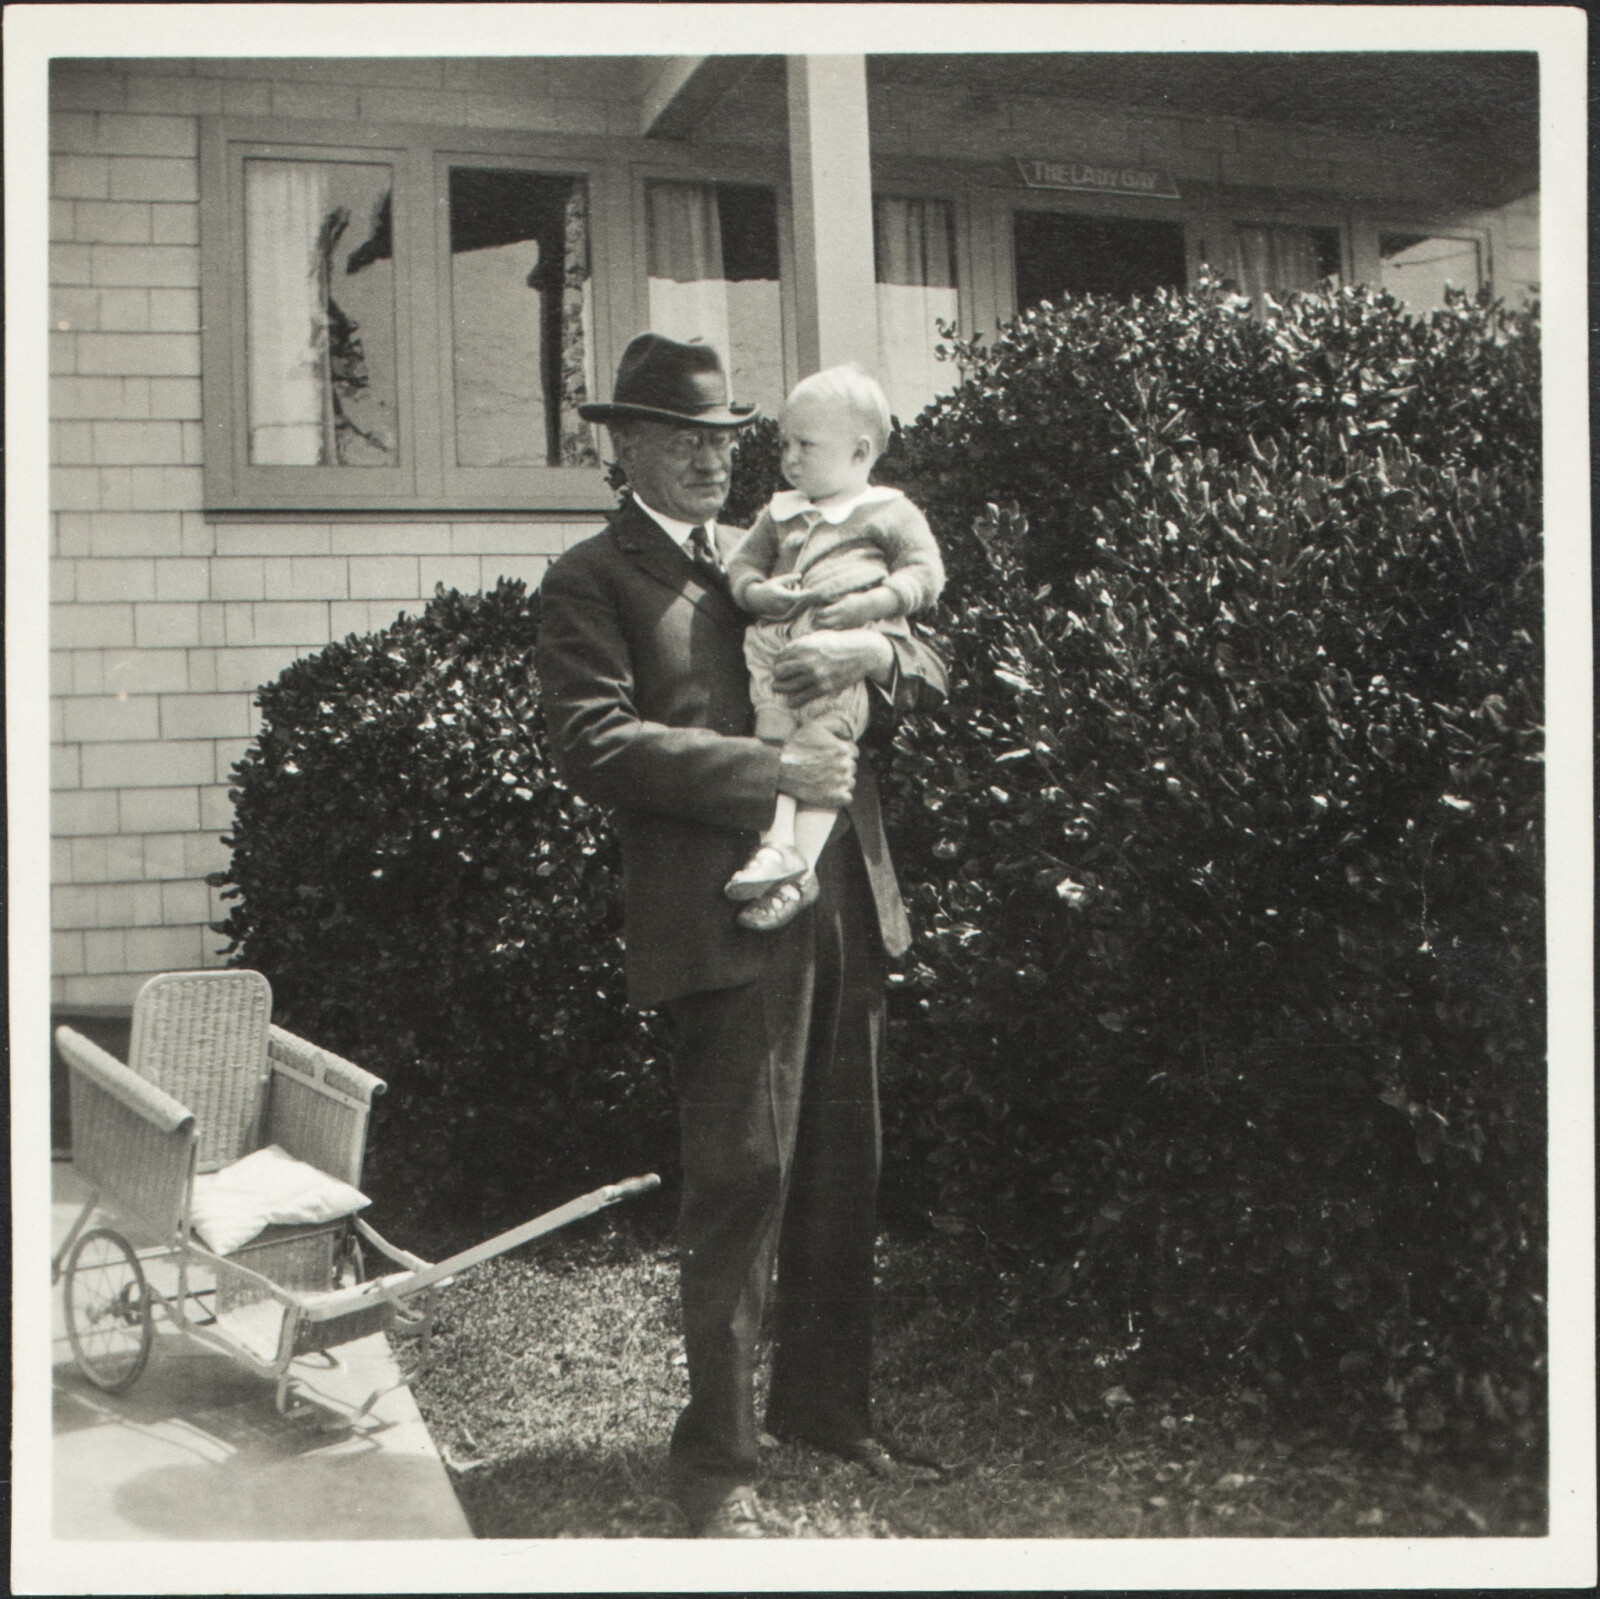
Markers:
{"x": 791, "y": 502}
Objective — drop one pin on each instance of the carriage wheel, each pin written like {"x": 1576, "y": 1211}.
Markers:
{"x": 109, "y": 1319}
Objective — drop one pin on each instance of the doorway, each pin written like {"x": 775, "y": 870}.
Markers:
{"x": 1062, "y": 252}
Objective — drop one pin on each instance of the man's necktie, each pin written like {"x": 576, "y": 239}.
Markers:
{"x": 704, "y": 555}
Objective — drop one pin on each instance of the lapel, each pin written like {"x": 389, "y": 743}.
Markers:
{"x": 652, "y": 550}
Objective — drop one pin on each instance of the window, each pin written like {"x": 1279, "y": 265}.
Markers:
{"x": 914, "y": 247}
{"x": 397, "y": 327}
{"x": 1417, "y": 268}
{"x": 1065, "y": 253}
{"x": 1278, "y": 261}
{"x": 714, "y": 275}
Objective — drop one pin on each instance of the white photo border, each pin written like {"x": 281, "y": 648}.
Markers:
{"x": 32, "y": 33}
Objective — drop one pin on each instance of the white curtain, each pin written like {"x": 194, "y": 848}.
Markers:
{"x": 580, "y": 442}
{"x": 916, "y": 289}
{"x": 289, "y": 396}
{"x": 688, "y": 295}
{"x": 691, "y": 296}
{"x": 1276, "y": 261}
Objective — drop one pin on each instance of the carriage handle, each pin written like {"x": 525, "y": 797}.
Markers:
{"x": 403, "y": 1287}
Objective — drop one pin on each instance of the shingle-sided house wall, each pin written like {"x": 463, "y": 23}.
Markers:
{"x": 164, "y": 624}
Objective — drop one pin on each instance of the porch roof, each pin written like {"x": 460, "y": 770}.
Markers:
{"x": 1482, "y": 107}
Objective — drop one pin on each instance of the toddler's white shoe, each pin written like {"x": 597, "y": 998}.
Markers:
{"x": 770, "y": 867}
{"x": 781, "y": 905}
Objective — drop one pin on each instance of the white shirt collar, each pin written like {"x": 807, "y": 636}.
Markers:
{"x": 677, "y": 531}
{"x": 791, "y": 502}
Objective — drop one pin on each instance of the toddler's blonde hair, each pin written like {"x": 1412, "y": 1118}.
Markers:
{"x": 852, "y": 386}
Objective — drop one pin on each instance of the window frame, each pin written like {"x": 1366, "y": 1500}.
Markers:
{"x": 267, "y": 485}
{"x": 498, "y": 486}
{"x": 1481, "y": 238}
{"x": 1330, "y": 218}
{"x": 975, "y": 209}
{"x": 892, "y": 178}
{"x": 426, "y": 483}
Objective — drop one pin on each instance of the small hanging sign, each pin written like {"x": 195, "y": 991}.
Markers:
{"x": 1097, "y": 177}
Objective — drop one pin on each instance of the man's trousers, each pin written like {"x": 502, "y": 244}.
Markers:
{"x": 778, "y": 1106}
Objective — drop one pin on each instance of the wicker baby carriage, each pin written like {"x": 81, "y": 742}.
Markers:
{"x": 210, "y": 1079}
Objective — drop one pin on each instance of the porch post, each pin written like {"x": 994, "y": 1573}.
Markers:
{"x": 836, "y": 302}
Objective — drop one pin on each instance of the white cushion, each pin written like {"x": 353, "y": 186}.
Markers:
{"x": 270, "y": 1187}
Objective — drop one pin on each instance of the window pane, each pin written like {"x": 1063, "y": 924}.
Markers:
{"x": 1069, "y": 253}
{"x": 713, "y": 270}
{"x": 521, "y": 318}
{"x": 913, "y": 245}
{"x": 319, "y": 314}
{"x": 1417, "y": 269}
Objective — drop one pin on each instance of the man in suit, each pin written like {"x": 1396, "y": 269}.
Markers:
{"x": 777, "y": 1033}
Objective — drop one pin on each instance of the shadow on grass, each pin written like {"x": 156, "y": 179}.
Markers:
{"x": 571, "y": 1493}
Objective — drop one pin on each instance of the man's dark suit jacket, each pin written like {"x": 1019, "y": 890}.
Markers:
{"x": 647, "y": 701}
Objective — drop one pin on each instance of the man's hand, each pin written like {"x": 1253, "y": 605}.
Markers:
{"x": 825, "y": 662}
{"x": 818, "y": 768}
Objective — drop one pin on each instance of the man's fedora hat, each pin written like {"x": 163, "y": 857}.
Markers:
{"x": 661, "y": 380}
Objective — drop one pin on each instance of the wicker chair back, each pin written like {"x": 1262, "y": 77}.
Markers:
{"x": 202, "y": 1037}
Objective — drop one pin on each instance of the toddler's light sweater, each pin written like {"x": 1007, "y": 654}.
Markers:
{"x": 881, "y": 537}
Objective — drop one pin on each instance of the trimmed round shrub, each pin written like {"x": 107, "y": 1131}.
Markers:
{"x": 1226, "y": 1001}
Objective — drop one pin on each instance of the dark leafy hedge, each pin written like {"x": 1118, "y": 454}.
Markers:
{"x": 1226, "y": 853}
{"x": 1225, "y": 858}
{"x": 1042, "y": 416}
{"x": 1229, "y": 994}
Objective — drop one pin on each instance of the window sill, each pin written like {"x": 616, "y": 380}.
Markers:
{"x": 604, "y": 503}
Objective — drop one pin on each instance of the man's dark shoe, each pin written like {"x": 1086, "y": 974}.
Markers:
{"x": 716, "y": 1507}
{"x": 736, "y": 1515}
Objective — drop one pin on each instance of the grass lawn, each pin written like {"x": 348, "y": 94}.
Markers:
{"x": 560, "y": 1374}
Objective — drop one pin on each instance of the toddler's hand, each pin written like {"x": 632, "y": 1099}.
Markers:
{"x": 857, "y": 610}
{"x": 772, "y": 597}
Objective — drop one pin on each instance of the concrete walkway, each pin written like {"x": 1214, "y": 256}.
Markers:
{"x": 196, "y": 1450}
